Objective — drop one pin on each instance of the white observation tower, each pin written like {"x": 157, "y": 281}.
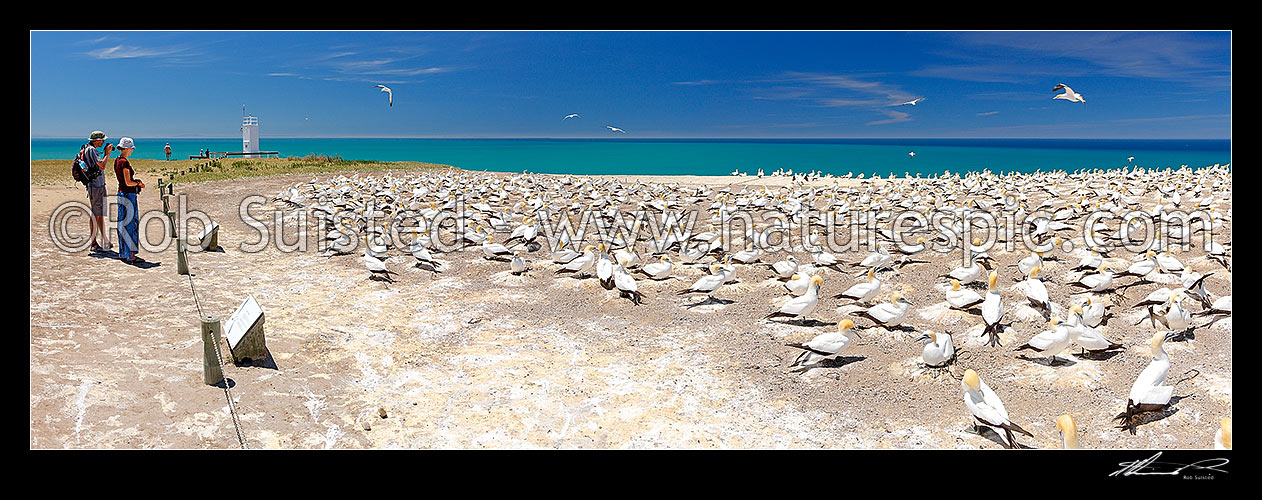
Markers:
{"x": 249, "y": 135}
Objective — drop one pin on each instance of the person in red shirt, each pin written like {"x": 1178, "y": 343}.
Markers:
{"x": 168, "y": 150}
{"x": 128, "y": 214}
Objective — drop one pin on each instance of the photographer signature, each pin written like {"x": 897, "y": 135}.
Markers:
{"x": 1136, "y": 468}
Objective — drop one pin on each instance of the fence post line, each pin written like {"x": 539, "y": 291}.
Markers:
{"x": 181, "y": 262}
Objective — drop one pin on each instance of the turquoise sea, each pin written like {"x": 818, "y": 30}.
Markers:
{"x": 714, "y": 156}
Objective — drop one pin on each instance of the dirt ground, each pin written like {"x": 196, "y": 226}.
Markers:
{"x": 475, "y": 357}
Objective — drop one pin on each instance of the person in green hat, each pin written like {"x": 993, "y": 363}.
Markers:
{"x": 96, "y": 186}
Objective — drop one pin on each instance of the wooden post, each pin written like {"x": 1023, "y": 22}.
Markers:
{"x": 212, "y": 373}
{"x": 181, "y": 261}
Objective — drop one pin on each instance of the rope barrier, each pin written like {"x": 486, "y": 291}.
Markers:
{"x": 227, "y": 390}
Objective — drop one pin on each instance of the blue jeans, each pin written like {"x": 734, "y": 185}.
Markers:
{"x": 128, "y": 225}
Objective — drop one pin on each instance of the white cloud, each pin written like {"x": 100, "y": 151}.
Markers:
{"x": 126, "y": 52}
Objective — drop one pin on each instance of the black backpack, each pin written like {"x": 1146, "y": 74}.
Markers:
{"x": 93, "y": 171}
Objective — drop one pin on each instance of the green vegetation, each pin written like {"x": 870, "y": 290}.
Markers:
{"x": 57, "y": 172}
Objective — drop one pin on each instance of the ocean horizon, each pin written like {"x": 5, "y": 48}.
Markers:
{"x": 641, "y": 156}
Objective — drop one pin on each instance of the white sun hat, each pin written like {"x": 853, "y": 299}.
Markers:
{"x": 126, "y": 143}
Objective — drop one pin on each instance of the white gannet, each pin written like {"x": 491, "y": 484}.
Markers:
{"x": 798, "y": 284}
{"x": 377, "y": 268}
{"x": 625, "y": 283}
{"x": 786, "y": 268}
{"x": 1088, "y": 338}
{"x": 1098, "y": 282}
{"x": 987, "y": 409}
{"x": 583, "y": 264}
{"x": 1036, "y": 292}
{"x": 1142, "y": 268}
{"x": 1049, "y": 342}
{"x": 1149, "y": 392}
{"x": 824, "y": 345}
{"x": 494, "y": 251}
{"x": 1092, "y": 260}
{"x": 1034, "y": 260}
{"x": 387, "y": 91}
{"x": 888, "y": 314}
{"x": 1222, "y": 437}
{"x": 800, "y": 307}
{"x": 962, "y": 299}
{"x": 659, "y": 270}
{"x": 709, "y": 283}
{"x": 564, "y": 255}
{"x": 1168, "y": 263}
{"x": 938, "y": 351}
{"x": 1068, "y": 432}
{"x": 992, "y": 309}
{"x": 863, "y": 291}
{"x": 573, "y": 115}
{"x": 912, "y": 102}
{"x": 1069, "y": 94}
{"x": 615, "y": 129}
{"x": 423, "y": 256}
{"x": 1093, "y": 312}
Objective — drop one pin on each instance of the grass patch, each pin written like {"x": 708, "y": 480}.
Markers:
{"x": 57, "y": 172}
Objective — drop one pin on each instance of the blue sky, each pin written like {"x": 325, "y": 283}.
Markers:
{"x": 977, "y": 84}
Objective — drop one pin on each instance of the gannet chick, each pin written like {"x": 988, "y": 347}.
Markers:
{"x": 863, "y": 291}
{"x": 992, "y": 310}
{"x": 1068, "y": 432}
{"x": 800, "y": 307}
{"x": 1049, "y": 342}
{"x": 1222, "y": 438}
{"x": 518, "y": 264}
{"x": 987, "y": 409}
{"x": 938, "y": 351}
{"x": 824, "y": 345}
{"x": 1148, "y": 393}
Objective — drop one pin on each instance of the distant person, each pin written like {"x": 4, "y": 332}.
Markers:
{"x": 168, "y": 150}
{"x": 93, "y": 166}
{"x": 201, "y": 153}
{"x": 128, "y": 214}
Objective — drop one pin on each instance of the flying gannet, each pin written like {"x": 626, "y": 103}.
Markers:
{"x": 1069, "y": 94}
{"x": 387, "y": 91}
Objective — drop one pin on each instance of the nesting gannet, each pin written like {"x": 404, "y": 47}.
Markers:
{"x": 1168, "y": 263}
{"x": 423, "y": 257}
{"x": 825, "y": 345}
{"x": 659, "y": 270}
{"x": 987, "y": 409}
{"x": 863, "y": 291}
{"x": 1036, "y": 292}
{"x": 625, "y": 283}
{"x": 1194, "y": 286}
{"x": 967, "y": 274}
{"x": 1141, "y": 268}
{"x": 888, "y": 314}
{"x": 962, "y": 299}
{"x": 800, "y": 307}
{"x": 1068, "y": 432}
{"x": 493, "y": 250}
{"x": 1092, "y": 260}
{"x": 992, "y": 309}
{"x": 387, "y": 91}
{"x": 377, "y": 267}
{"x": 1221, "y": 306}
{"x": 1069, "y": 94}
{"x": 583, "y": 264}
{"x": 938, "y": 351}
{"x": 1098, "y": 282}
{"x": 786, "y": 268}
{"x": 1087, "y": 337}
{"x": 1034, "y": 260}
{"x": 564, "y": 255}
{"x": 1148, "y": 393}
{"x": 1049, "y": 342}
{"x": 798, "y": 284}
{"x": 1222, "y": 437}
{"x": 1175, "y": 318}
{"x": 708, "y": 283}
{"x": 1093, "y": 312}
